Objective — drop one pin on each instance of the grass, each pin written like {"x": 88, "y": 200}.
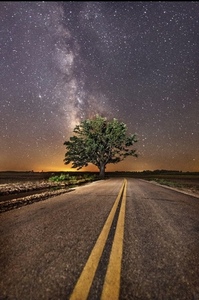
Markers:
{"x": 177, "y": 183}
{"x": 72, "y": 179}
{"x": 168, "y": 183}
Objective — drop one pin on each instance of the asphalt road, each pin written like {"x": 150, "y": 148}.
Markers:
{"x": 45, "y": 246}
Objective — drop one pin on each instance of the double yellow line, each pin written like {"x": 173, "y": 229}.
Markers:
{"x": 111, "y": 287}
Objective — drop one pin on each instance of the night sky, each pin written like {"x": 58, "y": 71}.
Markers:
{"x": 63, "y": 62}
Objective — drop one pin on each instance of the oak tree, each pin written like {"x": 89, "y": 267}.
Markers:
{"x": 100, "y": 142}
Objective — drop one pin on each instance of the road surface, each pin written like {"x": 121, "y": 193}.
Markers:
{"x": 111, "y": 239}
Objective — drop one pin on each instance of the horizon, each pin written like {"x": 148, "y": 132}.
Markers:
{"x": 79, "y": 171}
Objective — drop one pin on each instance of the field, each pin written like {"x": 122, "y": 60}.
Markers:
{"x": 172, "y": 178}
{"x": 22, "y": 188}
{"x": 185, "y": 182}
{"x": 37, "y": 180}
{"x": 182, "y": 180}
{"x": 175, "y": 176}
{"x": 11, "y": 177}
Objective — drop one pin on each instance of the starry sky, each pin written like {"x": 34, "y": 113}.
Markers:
{"x": 66, "y": 61}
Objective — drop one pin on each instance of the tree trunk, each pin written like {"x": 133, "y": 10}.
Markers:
{"x": 102, "y": 170}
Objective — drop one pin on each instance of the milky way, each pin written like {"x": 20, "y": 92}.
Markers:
{"x": 63, "y": 62}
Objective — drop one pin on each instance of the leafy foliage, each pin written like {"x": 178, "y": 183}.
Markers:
{"x": 66, "y": 178}
{"x": 100, "y": 142}
{"x": 60, "y": 178}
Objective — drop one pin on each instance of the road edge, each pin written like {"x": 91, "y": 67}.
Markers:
{"x": 171, "y": 188}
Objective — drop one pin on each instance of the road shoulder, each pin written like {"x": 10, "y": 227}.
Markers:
{"x": 183, "y": 190}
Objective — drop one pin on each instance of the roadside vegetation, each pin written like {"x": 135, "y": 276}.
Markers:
{"x": 168, "y": 183}
{"x": 68, "y": 179}
{"x": 178, "y": 183}
{"x": 173, "y": 178}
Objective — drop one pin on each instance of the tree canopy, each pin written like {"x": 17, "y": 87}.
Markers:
{"x": 99, "y": 142}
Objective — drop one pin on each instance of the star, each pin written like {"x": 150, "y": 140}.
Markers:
{"x": 63, "y": 62}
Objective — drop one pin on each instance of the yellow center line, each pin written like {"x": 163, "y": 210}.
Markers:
{"x": 111, "y": 288}
{"x": 82, "y": 287}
